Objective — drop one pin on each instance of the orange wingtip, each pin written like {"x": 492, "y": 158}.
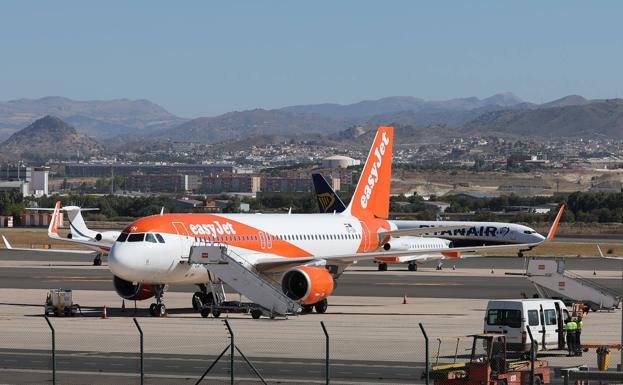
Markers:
{"x": 552, "y": 231}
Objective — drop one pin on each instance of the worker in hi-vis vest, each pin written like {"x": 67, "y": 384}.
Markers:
{"x": 570, "y": 327}
{"x": 578, "y": 333}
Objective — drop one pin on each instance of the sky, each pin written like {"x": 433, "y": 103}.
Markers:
{"x": 204, "y": 58}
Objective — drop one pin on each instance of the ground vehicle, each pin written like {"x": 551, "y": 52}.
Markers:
{"x": 488, "y": 364}
{"x": 512, "y": 317}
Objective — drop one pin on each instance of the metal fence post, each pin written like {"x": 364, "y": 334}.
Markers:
{"x": 232, "y": 351}
{"x": 326, "y": 334}
{"x": 426, "y": 373}
{"x": 140, "y": 331}
{"x": 532, "y": 355}
{"x": 53, "y": 350}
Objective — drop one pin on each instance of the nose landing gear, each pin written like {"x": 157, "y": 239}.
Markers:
{"x": 158, "y": 309}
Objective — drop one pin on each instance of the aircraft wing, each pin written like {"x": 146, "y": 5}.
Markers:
{"x": 64, "y": 251}
{"x": 280, "y": 263}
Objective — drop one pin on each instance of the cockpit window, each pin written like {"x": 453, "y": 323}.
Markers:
{"x": 122, "y": 237}
{"x": 136, "y": 237}
{"x": 529, "y": 231}
{"x": 159, "y": 237}
{"x": 150, "y": 238}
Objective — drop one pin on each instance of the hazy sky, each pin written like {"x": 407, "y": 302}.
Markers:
{"x": 199, "y": 58}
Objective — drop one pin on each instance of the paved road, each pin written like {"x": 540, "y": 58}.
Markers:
{"x": 195, "y": 366}
{"x": 355, "y": 283}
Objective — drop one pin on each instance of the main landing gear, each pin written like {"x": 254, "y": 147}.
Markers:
{"x": 321, "y": 307}
{"x": 412, "y": 266}
{"x": 158, "y": 309}
{"x": 202, "y": 298}
{"x": 382, "y": 266}
{"x": 97, "y": 261}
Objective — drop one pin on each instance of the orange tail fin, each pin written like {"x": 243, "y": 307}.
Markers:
{"x": 371, "y": 196}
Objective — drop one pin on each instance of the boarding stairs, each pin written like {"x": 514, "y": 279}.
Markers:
{"x": 241, "y": 275}
{"x": 551, "y": 280}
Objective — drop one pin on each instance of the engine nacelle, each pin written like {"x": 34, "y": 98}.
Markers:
{"x": 307, "y": 285}
{"x": 397, "y": 245}
{"x": 130, "y": 291}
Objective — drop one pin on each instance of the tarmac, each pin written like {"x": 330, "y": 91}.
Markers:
{"x": 374, "y": 337}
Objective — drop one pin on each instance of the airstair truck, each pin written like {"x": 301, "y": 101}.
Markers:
{"x": 551, "y": 280}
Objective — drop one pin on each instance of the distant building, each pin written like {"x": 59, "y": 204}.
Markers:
{"x": 246, "y": 183}
{"x": 30, "y": 181}
{"x": 96, "y": 170}
{"x": 281, "y": 184}
{"x": 174, "y": 183}
{"x": 339, "y": 161}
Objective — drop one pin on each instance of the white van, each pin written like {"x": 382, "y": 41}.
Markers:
{"x": 544, "y": 317}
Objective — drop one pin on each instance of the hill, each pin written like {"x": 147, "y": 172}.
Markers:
{"x": 97, "y": 118}
{"x": 48, "y": 137}
{"x": 393, "y": 104}
{"x": 602, "y": 118}
{"x": 239, "y": 125}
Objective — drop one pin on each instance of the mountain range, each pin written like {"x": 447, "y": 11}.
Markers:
{"x": 125, "y": 121}
{"x": 97, "y": 118}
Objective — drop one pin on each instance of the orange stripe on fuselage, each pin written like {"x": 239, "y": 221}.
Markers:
{"x": 214, "y": 228}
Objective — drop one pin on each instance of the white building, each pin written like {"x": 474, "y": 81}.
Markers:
{"x": 339, "y": 161}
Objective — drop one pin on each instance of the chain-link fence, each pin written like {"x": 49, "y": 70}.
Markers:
{"x": 245, "y": 351}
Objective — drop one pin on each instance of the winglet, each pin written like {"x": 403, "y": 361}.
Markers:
{"x": 53, "y": 228}
{"x": 552, "y": 230}
{"x": 6, "y": 243}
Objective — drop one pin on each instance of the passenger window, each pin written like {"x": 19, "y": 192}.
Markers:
{"x": 122, "y": 237}
{"x": 550, "y": 317}
{"x": 533, "y": 318}
{"x": 136, "y": 237}
{"x": 150, "y": 238}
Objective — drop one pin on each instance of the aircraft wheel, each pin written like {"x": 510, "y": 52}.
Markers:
{"x": 306, "y": 309}
{"x": 382, "y": 266}
{"x": 198, "y": 300}
{"x": 412, "y": 267}
{"x": 152, "y": 310}
{"x": 216, "y": 313}
{"x": 321, "y": 306}
{"x": 161, "y": 310}
{"x": 205, "y": 312}
{"x": 256, "y": 314}
{"x": 97, "y": 261}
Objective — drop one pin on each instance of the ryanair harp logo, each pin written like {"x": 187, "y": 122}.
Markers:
{"x": 326, "y": 200}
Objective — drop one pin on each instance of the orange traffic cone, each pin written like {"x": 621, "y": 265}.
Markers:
{"x": 404, "y": 299}
{"x": 123, "y": 305}
{"x": 105, "y": 313}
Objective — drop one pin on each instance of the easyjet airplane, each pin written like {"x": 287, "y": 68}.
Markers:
{"x": 305, "y": 252}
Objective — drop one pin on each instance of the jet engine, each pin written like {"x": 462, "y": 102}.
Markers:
{"x": 98, "y": 237}
{"x": 307, "y": 285}
{"x": 130, "y": 291}
{"x": 397, "y": 245}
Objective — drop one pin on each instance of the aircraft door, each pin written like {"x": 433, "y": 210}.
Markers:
{"x": 184, "y": 239}
{"x": 365, "y": 236}
{"x": 262, "y": 237}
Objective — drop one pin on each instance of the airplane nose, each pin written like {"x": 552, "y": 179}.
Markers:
{"x": 121, "y": 262}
